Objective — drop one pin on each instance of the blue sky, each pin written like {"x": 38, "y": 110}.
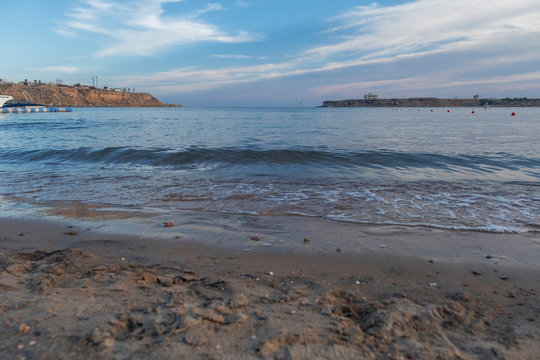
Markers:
{"x": 277, "y": 53}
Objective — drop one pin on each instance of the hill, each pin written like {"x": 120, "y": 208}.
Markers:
{"x": 78, "y": 96}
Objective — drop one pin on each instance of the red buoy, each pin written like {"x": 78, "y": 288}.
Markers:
{"x": 513, "y": 114}
{"x": 472, "y": 112}
{"x": 447, "y": 110}
{"x": 431, "y": 110}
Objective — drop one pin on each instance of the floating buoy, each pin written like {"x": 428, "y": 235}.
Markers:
{"x": 472, "y": 112}
{"x": 447, "y": 110}
{"x": 431, "y": 110}
{"x": 513, "y": 114}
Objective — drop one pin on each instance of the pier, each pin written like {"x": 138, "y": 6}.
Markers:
{"x": 30, "y": 109}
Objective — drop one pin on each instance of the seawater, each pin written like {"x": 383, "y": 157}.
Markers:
{"x": 450, "y": 170}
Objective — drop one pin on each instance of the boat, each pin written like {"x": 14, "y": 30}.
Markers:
{"x": 23, "y": 107}
{"x": 4, "y": 99}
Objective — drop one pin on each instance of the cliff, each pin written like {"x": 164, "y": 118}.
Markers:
{"x": 62, "y": 95}
{"x": 433, "y": 102}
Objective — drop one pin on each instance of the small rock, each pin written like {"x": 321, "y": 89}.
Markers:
{"x": 24, "y": 329}
{"x": 72, "y": 233}
{"x": 433, "y": 284}
{"x": 430, "y": 261}
{"x": 255, "y": 238}
{"x": 338, "y": 249}
{"x": 266, "y": 244}
{"x": 477, "y": 273}
{"x": 20, "y": 347}
{"x": 503, "y": 277}
{"x": 488, "y": 256}
{"x": 307, "y": 240}
{"x": 165, "y": 281}
{"x": 239, "y": 300}
{"x": 168, "y": 224}
{"x": 382, "y": 246}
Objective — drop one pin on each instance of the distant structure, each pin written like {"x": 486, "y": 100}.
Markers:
{"x": 371, "y": 96}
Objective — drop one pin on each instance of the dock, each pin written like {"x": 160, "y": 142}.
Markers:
{"x": 33, "y": 109}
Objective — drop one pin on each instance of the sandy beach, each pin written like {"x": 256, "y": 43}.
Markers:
{"x": 241, "y": 287}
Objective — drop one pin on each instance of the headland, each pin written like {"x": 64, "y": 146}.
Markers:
{"x": 433, "y": 102}
{"x": 78, "y": 95}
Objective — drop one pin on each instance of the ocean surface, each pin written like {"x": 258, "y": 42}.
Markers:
{"x": 450, "y": 170}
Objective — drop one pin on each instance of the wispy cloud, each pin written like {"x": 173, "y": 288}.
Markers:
{"x": 483, "y": 30}
{"x": 428, "y": 82}
{"x": 238, "y": 56}
{"x": 191, "y": 79}
{"x": 231, "y": 56}
{"x": 375, "y": 31}
{"x": 59, "y": 69}
{"x": 141, "y": 27}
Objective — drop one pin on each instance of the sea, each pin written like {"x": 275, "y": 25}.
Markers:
{"x": 446, "y": 168}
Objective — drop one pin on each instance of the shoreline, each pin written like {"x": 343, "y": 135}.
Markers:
{"x": 117, "y": 285}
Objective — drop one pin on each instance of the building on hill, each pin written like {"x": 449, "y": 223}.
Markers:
{"x": 371, "y": 96}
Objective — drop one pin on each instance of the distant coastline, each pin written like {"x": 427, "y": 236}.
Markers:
{"x": 78, "y": 95}
{"x": 434, "y": 102}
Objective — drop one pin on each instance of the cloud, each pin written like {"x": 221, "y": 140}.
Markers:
{"x": 191, "y": 79}
{"x": 371, "y": 32}
{"x": 238, "y": 56}
{"x": 428, "y": 82}
{"x": 231, "y": 56}
{"x": 141, "y": 27}
{"x": 484, "y": 37}
{"x": 59, "y": 69}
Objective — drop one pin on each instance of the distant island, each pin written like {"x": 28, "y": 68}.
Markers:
{"x": 52, "y": 94}
{"x": 371, "y": 100}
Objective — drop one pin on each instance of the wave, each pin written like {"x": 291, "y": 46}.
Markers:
{"x": 159, "y": 157}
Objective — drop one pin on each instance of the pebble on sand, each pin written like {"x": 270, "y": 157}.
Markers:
{"x": 24, "y": 329}
{"x": 168, "y": 224}
{"x": 307, "y": 240}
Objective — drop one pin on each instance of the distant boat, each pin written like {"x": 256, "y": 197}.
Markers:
{"x": 4, "y": 99}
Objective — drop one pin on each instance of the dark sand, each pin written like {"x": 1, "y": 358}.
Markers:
{"x": 204, "y": 289}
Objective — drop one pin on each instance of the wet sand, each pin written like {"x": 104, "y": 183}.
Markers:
{"x": 242, "y": 287}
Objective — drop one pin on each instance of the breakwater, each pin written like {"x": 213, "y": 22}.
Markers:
{"x": 24, "y": 110}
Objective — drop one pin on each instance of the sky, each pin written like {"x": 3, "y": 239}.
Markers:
{"x": 275, "y": 52}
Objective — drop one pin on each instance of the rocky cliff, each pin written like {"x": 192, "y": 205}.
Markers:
{"x": 62, "y": 95}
